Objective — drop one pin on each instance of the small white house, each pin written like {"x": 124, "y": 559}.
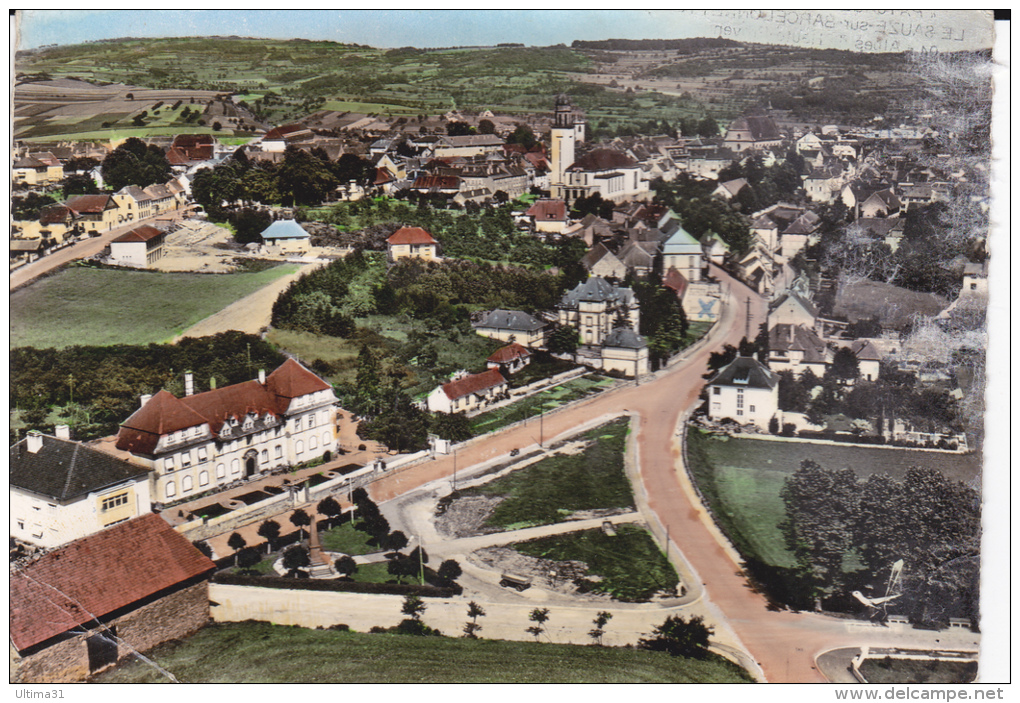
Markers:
{"x": 61, "y": 490}
{"x": 626, "y": 352}
{"x": 469, "y": 392}
{"x": 744, "y": 391}
{"x": 141, "y": 247}
{"x": 288, "y": 237}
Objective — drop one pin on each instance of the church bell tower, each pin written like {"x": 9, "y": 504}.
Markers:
{"x": 563, "y": 138}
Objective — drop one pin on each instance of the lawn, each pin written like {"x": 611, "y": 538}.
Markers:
{"x": 552, "y": 489}
{"x": 101, "y": 307}
{"x": 344, "y": 538}
{"x": 543, "y": 401}
{"x": 255, "y": 652}
{"x": 742, "y": 478}
{"x": 630, "y": 564}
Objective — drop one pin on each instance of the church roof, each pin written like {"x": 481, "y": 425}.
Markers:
{"x": 603, "y": 159}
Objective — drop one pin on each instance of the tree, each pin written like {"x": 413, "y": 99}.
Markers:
{"x": 249, "y": 225}
{"x": 300, "y": 519}
{"x": 304, "y": 179}
{"x": 564, "y": 340}
{"x": 270, "y": 531}
{"x": 204, "y": 547}
{"x": 414, "y": 607}
{"x": 539, "y": 616}
{"x": 216, "y": 126}
{"x": 679, "y": 637}
{"x": 396, "y": 541}
{"x": 820, "y": 508}
{"x": 80, "y": 184}
{"x": 329, "y": 507}
{"x": 844, "y": 365}
{"x": 237, "y": 543}
{"x": 600, "y": 623}
{"x": 135, "y": 163}
{"x": 247, "y": 558}
{"x": 29, "y": 206}
{"x": 295, "y": 558}
{"x": 449, "y": 571}
{"x": 459, "y": 129}
{"x": 486, "y": 126}
{"x": 471, "y": 629}
{"x": 346, "y": 566}
{"x": 401, "y": 566}
{"x": 523, "y": 136}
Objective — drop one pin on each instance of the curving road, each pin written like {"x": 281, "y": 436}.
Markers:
{"x": 783, "y": 643}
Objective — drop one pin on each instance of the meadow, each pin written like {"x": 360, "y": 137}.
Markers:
{"x": 88, "y": 306}
{"x": 256, "y": 652}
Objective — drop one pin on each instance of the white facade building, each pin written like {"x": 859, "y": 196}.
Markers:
{"x": 744, "y": 391}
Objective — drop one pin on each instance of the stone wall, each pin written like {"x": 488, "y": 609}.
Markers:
{"x": 173, "y": 616}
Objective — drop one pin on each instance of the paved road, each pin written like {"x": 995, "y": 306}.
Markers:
{"x": 784, "y": 643}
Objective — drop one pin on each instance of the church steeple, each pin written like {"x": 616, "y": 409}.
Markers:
{"x": 564, "y": 112}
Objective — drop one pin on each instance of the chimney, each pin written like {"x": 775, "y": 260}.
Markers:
{"x": 262, "y": 376}
{"x": 189, "y": 383}
{"x": 34, "y": 441}
{"x": 62, "y": 432}
{"x": 145, "y": 399}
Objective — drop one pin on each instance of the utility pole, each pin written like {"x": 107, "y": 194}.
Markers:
{"x": 454, "y": 469}
{"x": 541, "y": 417}
{"x": 747, "y": 320}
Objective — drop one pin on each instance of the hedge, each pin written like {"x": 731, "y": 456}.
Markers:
{"x": 396, "y": 589}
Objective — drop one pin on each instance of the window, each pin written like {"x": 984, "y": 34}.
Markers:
{"x": 299, "y": 447}
{"x": 186, "y": 459}
{"x": 313, "y": 442}
{"x": 716, "y": 390}
{"x": 114, "y": 501}
{"x": 235, "y": 466}
{"x": 325, "y": 437}
{"x": 297, "y": 424}
{"x": 171, "y": 489}
{"x": 168, "y": 464}
{"x": 221, "y": 471}
{"x": 740, "y": 399}
{"x": 265, "y": 455}
{"x": 750, "y": 409}
{"x": 740, "y": 413}
{"x": 973, "y": 286}
{"x": 187, "y": 483}
{"x": 278, "y": 453}
{"x": 203, "y": 454}
{"x": 311, "y": 421}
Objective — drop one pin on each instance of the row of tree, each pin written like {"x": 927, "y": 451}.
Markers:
{"x": 930, "y": 523}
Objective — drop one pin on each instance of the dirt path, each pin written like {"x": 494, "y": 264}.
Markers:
{"x": 250, "y": 314}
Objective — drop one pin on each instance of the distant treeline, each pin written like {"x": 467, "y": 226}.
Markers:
{"x": 693, "y": 44}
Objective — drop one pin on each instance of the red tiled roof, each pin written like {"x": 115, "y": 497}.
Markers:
{"x": 473, "y": 383}
{"x": 511, "y": 352}
{"x": 177, "y": 157}
{"x": 89, "y": 203}
{"x": 140, "y": 234}
{"x": 411, "y": 235}
{"x": 188, "y": 141}
{"x": 54, "y": 214}
{"x": 282, "y": 131}
{"x": 548, "y": 210}
{"x": 163, "y": 414}
{"x": 291, "y": 380}
{"x": 382, "y": 176}
{"x": 98, "y": 575}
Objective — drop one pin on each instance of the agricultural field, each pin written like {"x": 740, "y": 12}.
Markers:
{"x": 87, "y": 306}
{"x": 255, "y": 652}
{"x": 742, "y": 479}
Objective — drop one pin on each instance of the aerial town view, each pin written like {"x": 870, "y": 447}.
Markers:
{"x": 503, "y": 346}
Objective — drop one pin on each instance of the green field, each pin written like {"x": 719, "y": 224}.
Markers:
{"x": 254, "y": 652}
{"x": 742, "y": 479}
{"x": 630, "y": 564}
{"x": 554, "y": 488}
{"x": 86, "y": 306}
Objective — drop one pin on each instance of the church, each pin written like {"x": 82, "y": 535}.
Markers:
{"x": 204, "y": 441}
{"x": 611, "y": 173}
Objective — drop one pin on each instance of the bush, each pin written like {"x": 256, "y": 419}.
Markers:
{"x": 398, "y": 589}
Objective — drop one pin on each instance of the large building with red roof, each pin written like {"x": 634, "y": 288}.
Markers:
{"x": 205, "y": 441}
{"x": 77, "y": 610}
